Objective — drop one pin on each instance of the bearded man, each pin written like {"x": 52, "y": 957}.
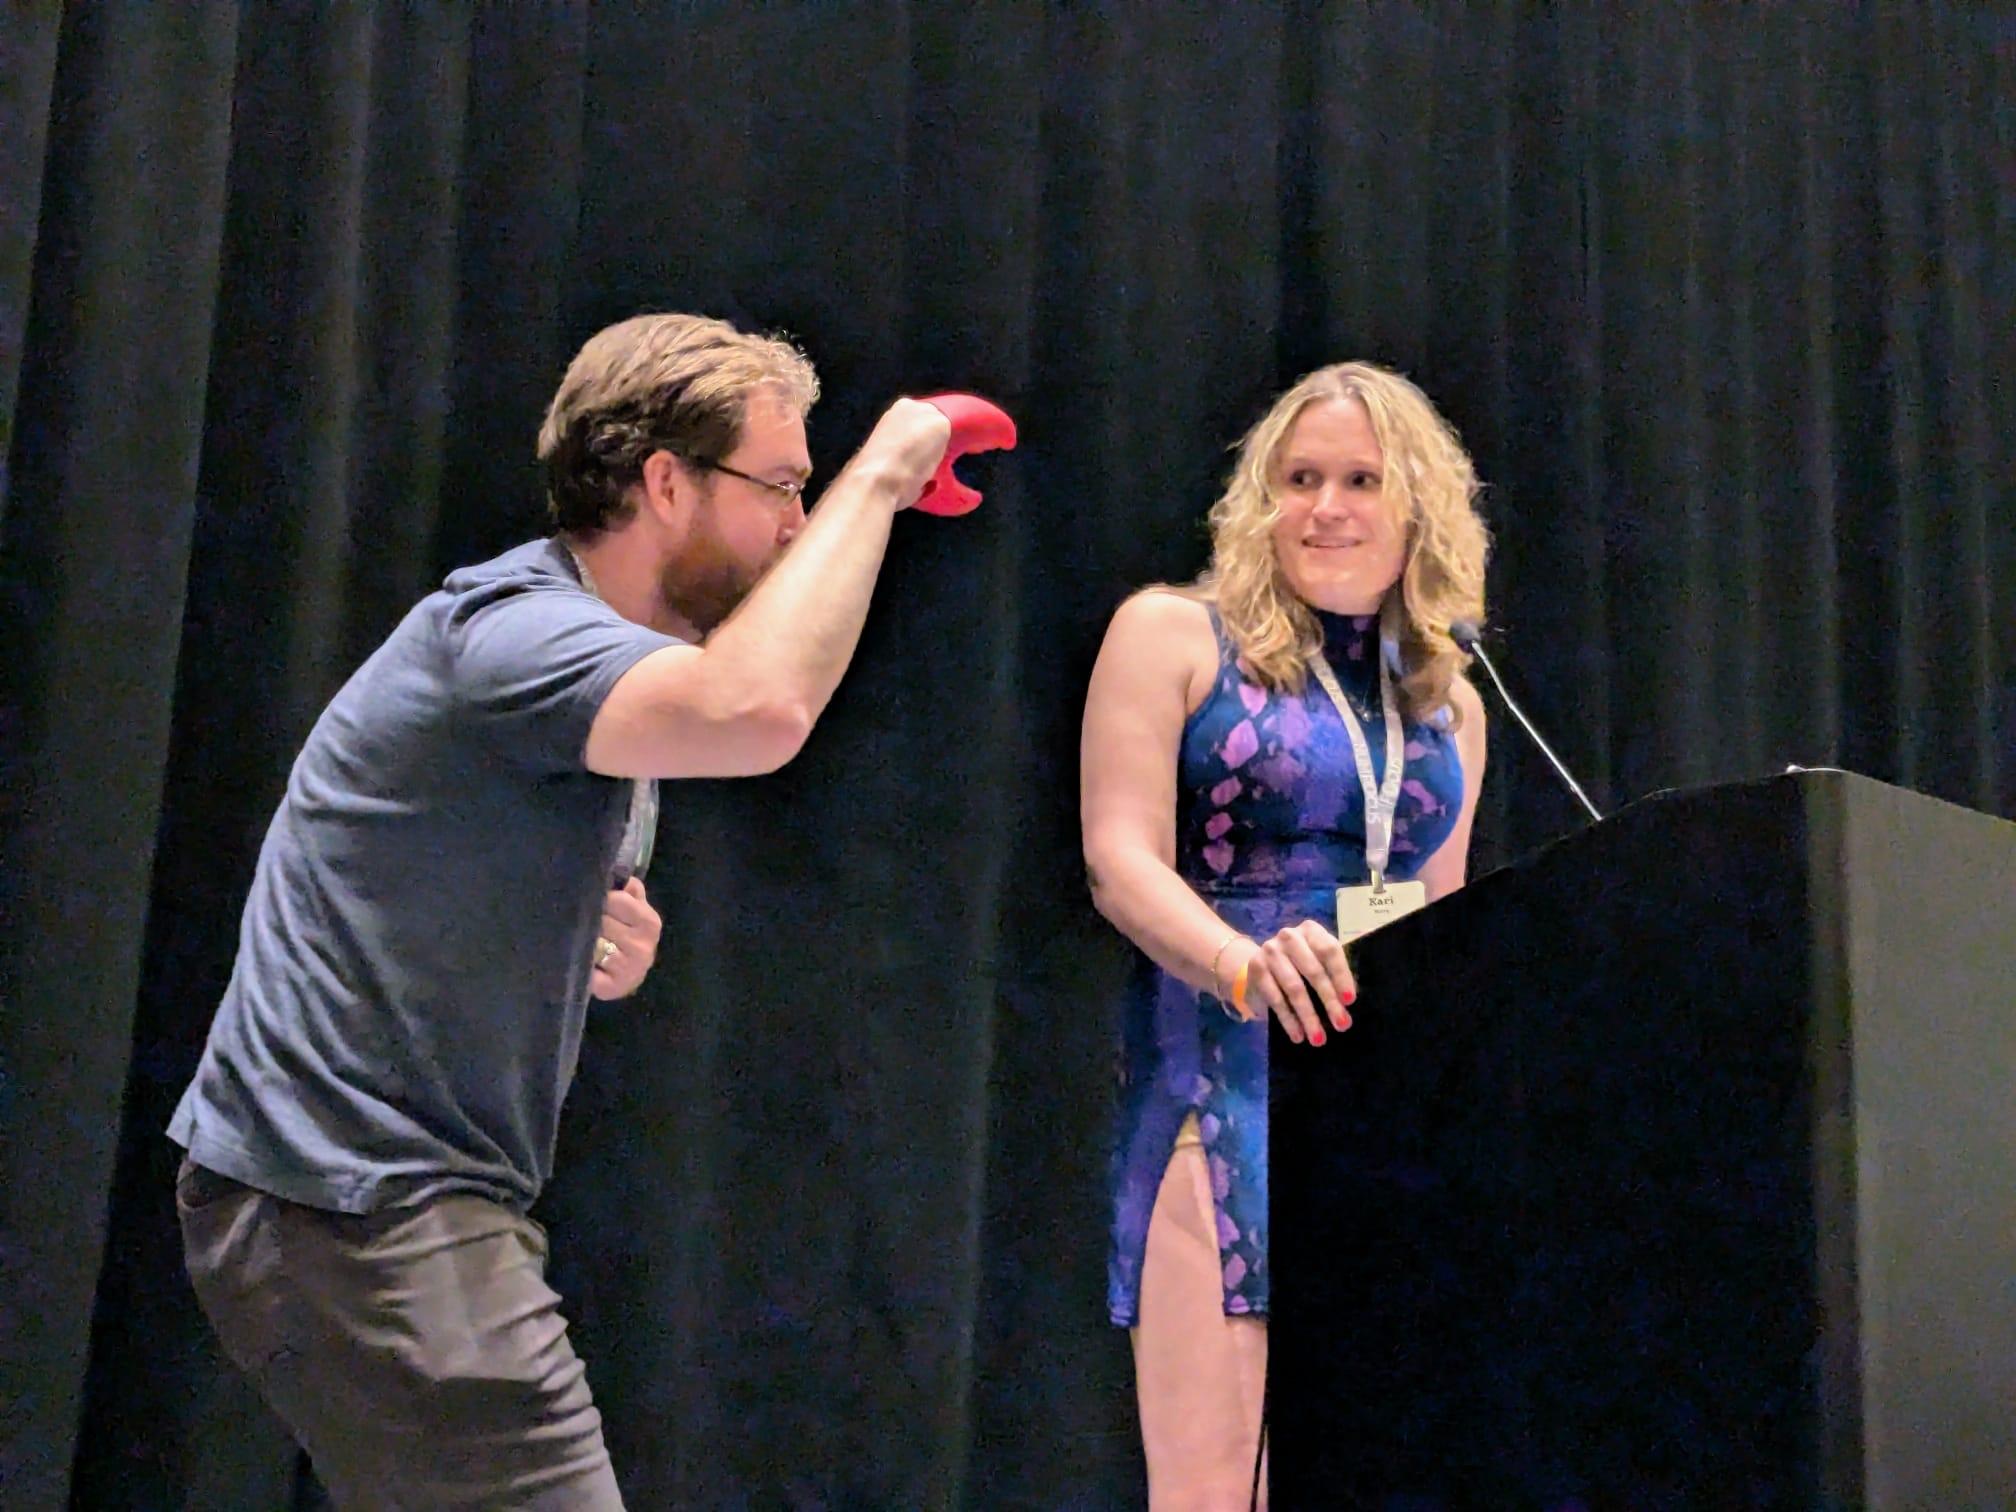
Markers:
{"x": 457, "y": 868}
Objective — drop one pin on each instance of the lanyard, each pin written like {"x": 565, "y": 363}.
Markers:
{"x": 1382, "y": 801}
{"x": 640, "y": 825}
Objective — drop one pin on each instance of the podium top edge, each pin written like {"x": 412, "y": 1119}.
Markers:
{"x": 1811, "y": 783}
{"x": 1812, "y": 778}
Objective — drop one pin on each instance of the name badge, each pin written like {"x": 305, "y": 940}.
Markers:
{"x": 1360, "y": 910}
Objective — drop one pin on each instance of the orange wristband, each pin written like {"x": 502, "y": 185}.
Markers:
{"x": 1239, "y": 991}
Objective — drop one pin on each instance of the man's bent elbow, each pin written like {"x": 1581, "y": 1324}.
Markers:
{"x": 774, "y": 734}
{"x": 716, "y": 737}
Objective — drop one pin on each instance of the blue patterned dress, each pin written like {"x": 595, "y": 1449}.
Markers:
{"x": 1270, "y": 821}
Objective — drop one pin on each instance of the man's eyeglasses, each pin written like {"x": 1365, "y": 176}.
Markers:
{"x": 788, "y": 492}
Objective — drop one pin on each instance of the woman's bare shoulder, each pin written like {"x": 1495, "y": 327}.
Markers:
{"x": 1166, "y": 610}
{"x": 1167, "y": 631}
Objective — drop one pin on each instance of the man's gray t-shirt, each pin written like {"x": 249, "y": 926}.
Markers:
{"x": 413, "y": 967}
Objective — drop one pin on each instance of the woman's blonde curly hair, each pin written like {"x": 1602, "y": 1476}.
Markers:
{"x": 1427, "y": 480}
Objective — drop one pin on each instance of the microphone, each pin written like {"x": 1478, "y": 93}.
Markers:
{"x": 1464, "y": 633}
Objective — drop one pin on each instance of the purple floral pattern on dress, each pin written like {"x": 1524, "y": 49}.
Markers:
{"x": 1270, "y": 821}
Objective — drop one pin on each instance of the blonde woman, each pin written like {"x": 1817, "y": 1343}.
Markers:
{"x": 1238, "y": 732}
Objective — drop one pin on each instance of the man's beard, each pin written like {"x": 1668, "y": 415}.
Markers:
{"x": 704, "y": 582}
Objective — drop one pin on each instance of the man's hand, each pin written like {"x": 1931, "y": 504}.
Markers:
{"x": 628, "y": 943}
{"x": 905, "y": 448}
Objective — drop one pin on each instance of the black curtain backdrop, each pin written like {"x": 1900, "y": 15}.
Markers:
{"x": 1720, "y": 298}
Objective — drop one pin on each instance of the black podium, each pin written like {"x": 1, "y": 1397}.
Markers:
{"x": 1674, "y": 1166}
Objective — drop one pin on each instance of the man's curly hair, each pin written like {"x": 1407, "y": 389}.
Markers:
{"x": 677, "y": 383}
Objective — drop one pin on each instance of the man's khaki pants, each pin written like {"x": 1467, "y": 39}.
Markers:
{"x": 417, "y": 1353}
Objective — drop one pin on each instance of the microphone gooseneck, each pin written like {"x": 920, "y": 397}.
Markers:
{"x": 1466, "y": 636}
